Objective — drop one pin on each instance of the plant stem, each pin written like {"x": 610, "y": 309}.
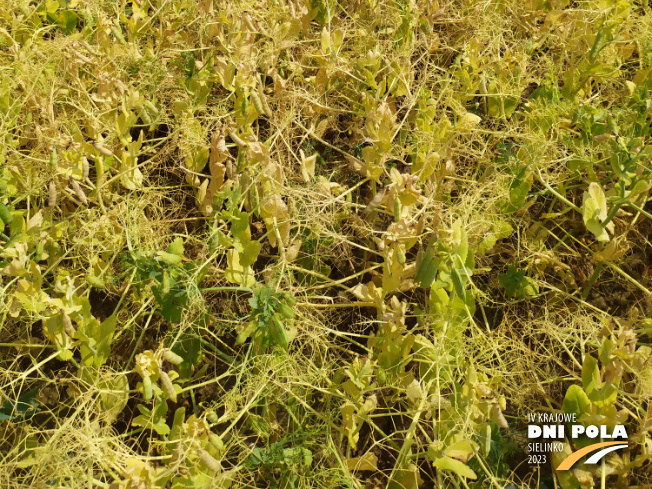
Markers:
{"x": 612, "y": 214}
{"x": 557, "y": 194}
{"x": 221, "y": 289}
{"x": 603, "y": 475}
{"x": 646, "y": 214}
{"x": 594, "y": 277}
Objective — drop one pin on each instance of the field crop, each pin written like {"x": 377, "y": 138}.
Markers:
{"x": 323, "y": 243}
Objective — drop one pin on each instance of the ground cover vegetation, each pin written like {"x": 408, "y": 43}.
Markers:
{"x": 322, "y": 243}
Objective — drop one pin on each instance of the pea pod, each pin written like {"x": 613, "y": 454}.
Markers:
{"x": 209, "y": 461}
{"x": 85, "y": 167}
{"x": 381, "y": 376}
{"x": 216, "y": 441}
{"x": 103, "y": 150}
{"x": 145, "y": 116}
{"x": 597, "y": 46}
{"x": 52, "y": 194}
{"x": 78, "y": 191}
{"x": 150, "y": 106}
{"x": 56, "y": 248}
{"x": 67, "y": 324}
{"x": 236, "y": 139}
{"x": 147, "y": 387}
{"x": 177, "y": 423}
{"x": 423, "y": 265}
{"x": 458, "y": 284}
{"x": 211, "y": 416}
{"x": 400, "y": 255}
{"x": 289, "y": 299}
{"x": 278, "y": 332}
{"x": 172, "y": 357}
{"x": 286, "y": 311}
{"x": 38, "y": 253}
{"x": 167, "y": 385}
{"x": 240, "y": 162}
{"x": 118, "y": 34}
{"x": 5, "y": 214}
{"x": 54, "y": 159}
{"x": 430, "y": 273}
{"x": 165, "y": 284}
{"x": 397, "y": 209}
{"x": 255, "y": 99}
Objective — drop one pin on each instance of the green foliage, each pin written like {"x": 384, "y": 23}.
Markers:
{"x": 23, "y": 407}
{"x": 270, "y": 319}
{"x": 514, "y": 161}
{"x": 517, "y": 284}
{"x": 282, "y": 465}
{"x": 153, "y": 418}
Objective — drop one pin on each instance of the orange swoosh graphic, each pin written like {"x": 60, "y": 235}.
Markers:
{"x": 571, "y": 459}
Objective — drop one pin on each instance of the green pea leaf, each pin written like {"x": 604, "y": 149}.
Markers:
{"x": 448, "y": 464}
